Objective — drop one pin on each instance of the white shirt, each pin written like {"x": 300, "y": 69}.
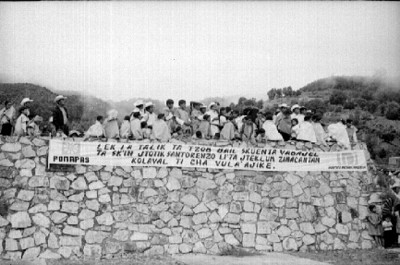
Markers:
{"x": 149, "y": 118}
{"x": 306, "y": 132}
{"x": 214, "y": 124}
{"x": 338, "y": 132}
{"x": 125, "y": 130}
{"x": 136, "y": 128}
{"x": 271, "y": 132}
{"x": 21, "y": 125}
{"x": 299, "y": 117}
{"x": 96, "y": 130}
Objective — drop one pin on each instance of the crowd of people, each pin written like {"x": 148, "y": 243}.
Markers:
{"x": 197, "y": 121}
{"x": 384, "y": 225}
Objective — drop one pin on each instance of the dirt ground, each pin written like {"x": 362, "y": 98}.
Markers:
{"x": 355, "y": 257}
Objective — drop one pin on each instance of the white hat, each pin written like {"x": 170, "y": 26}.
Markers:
{"x": 295, "y": 106}
{"x": 136, "y": 110}
{"x": 138, "y": 102}
{"x": 38, "y": 118}
{"x": 148, "y": 104}
{"x": 212, "y": 104}
{"x": 25, "y": 100}
{"x": 58, "y": 98}
{"x": 283, "y": 105}
{"x": 112, "y": 114}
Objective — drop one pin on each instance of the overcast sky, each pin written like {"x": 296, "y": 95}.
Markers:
{"x": 192, "y": 50}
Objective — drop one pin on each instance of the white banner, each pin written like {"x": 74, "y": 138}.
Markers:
{"x": 177, "y": 155}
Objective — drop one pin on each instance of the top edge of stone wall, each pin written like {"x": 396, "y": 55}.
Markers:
{"x": 290, "y": 145}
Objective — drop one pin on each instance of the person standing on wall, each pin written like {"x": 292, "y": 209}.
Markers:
{"x": 60, "y": 115}
{"x": 7, "y": 118}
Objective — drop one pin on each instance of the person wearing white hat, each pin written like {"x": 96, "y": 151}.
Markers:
{"x": 21, "y": 124}
{"x": 111, "y": 125}
{"x": 136, "y": 126}
{"x": 140, "y": 105}
{"x": 214, "y": 118}
{"x": 25, "y": 102}
{"x": 279, "y": 116}
{"x": 149, "y": 115}
{"x": 60, "y": 115}
{"x": 296, "y": 113}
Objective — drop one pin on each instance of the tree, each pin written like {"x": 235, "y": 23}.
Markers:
{"x": 317, "y": 105}
{"x": 271, "y": 94}
{"x": 349, "y": 104}
{"x": 278, "y": 93}
{"x": 337, "y": 98}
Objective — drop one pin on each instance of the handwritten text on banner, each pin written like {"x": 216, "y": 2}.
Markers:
{"x": 177, "y": 155}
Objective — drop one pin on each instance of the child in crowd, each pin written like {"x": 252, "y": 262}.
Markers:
{"x": 136, "y": 126}
{"x": 33, "y": 127}
{"x": 295, "y": 128}
{"x": 179, "y": 134}
{"x": 146, "y": 132}
{"x": 248, "y": 131}
{"x": 21, "y": 124}
{"x": 97, "y": 129}
{"x": 387, "y": 231}
{"x": 149, "y": 115}
{"x": 125, "y": 130}
{"x": 197, "y": 135}
{"x": 260, "y": 138}
{"x": 204, "y": 127}
{"x": 375, "y": 229}
{"x": 351, "y": 131}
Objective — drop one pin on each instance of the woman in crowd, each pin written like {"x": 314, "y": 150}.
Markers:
{"x": 97, "y": 129}
{"x": 125, "y": 130}
{"x": 284, "y": 124}
{"x": 248, "y": 132}
{"x": 228, "y": 131}
{"x": 136, "y": 126}
{"x": 295, "y": 129}
{"x": 160, "y": 130}
{"x": 271, "y": 132}
{"x": 320, "y": 133}
{"x": 21, "y": 124}
{"x": 214, "y": 119}
{"x": 306, "y": 130}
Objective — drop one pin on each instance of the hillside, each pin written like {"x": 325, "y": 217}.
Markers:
{"x": 373, "y": 104}
{"x": 82, "y": 109}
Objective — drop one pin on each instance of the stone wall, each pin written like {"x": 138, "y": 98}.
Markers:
{"x": 101, "y": 211}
